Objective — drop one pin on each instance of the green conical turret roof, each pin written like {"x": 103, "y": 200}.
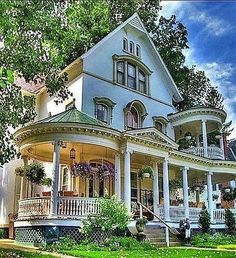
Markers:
{"x": 72, "y": 116}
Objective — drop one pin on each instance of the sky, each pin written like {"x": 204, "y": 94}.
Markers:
{"x": 211, "y": 27}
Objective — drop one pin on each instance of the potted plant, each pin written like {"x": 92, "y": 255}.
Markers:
{"x": 35, "y": 172}
{"x": 145, "y": 172}
{"x": 188, "y": 136}
{"x": 140, "y": 224}
{"x": 82, "y": 169}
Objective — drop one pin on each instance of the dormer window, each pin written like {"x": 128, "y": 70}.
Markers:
{"x": 131, "y": 47}
{"x": 125, "y": 44}
{"x": 102, "y": 113}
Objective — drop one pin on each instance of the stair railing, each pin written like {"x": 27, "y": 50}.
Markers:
{"x": 168, "y": 228}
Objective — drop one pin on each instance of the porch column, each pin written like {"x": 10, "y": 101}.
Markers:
{"x": 24, "y": 182}
{"x": 117, "y": 176}
{"x": 70, "y": 182}
{"x": 222, "y": 144}
{"x": 209, "y": 194}
{"x": 204, "y": 136}
{"x": 155, "y": 189}
{"x": 127, "y": 180}
{"x": 166, "y": 193}
{"x": 55, "y": 178}
{"x": 185, "y": 192}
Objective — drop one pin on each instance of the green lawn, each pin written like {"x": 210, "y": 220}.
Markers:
{"x": 12, "y": 253}
{"x": 158, "y": 253}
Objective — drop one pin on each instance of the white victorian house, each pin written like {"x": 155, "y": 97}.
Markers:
{"x": 122, "y": 115}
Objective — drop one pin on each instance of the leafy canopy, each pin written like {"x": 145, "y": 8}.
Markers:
{"x": 42, "y": 37}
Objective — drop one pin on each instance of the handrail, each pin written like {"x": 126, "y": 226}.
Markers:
{"x": 172, "y": 230}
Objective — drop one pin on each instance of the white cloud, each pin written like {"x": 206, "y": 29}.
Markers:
{"x": 213, "y": 25}
{"x": 169, "y": 8}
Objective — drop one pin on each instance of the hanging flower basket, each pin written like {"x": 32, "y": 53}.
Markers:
{"x": 145, "y": 172}
{"x": 82, "y": 169}
{"x": 105, "y": 170}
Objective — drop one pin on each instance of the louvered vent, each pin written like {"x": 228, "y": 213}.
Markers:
{"x": 136, "y": 23}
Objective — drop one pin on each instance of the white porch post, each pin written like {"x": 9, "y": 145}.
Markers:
{"x": 166, "y": 193}
{"x": 185, "y": 192}
{"x": 127, "y": 180}
{"x": 204, "y": 136}
{"x": 117, "y": 176}
{"x": 23, "y": 183}
{"x": 55, "y": 179}
{"x": 155, "y": 189}
{"x": 209, "y": 194}
{"x": 70, "y": 182}
{"x": 222, "y": 144}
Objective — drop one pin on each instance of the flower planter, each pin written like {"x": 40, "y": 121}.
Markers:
{"x": 146, "y": 175}
{"x": 188, "y": 137}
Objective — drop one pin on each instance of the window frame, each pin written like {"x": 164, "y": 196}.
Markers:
{"x": 106, "y": 102}
{"x": 106, "y": 108}
{"x": 125, "y": 44}
{"x": 140, "y": 68}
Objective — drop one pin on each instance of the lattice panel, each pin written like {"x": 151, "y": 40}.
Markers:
{"x": 100, "y": 236}
{"x": 30, "y": 235}
{"x": 73, "y": 233}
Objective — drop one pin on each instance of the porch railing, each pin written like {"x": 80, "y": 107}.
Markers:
{"x": 67, "y": 207}
{"x": 213, "y": 152}
{"x": 177, "y": 213}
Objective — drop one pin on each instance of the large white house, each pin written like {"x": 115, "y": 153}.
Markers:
{"x": 121, "y": 115}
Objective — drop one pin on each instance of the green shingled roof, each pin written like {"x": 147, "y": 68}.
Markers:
{"x": 72, "y": 116}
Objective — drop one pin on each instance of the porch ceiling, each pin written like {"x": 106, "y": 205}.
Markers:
{"x": 85, "y": 152}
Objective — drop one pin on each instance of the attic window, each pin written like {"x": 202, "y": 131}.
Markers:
{"x": 131, "y": 47}
{"x": 125, "y": 44}
{"x": 160, "y": 123}
{"x": 138, "y": 51}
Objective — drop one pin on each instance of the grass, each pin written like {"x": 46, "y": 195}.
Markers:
{"x": 12, "y": 253}
{"x": 228, "y": 247}
{"x": 158, "y": 253}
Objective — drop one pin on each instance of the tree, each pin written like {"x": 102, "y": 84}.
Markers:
{"x": 42, "y": 37}
{"x": 230, "y": 220}
{"x": 204, "y": 220}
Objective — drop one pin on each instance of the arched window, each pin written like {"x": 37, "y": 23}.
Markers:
{"x": 132, "y": 73}
{"x": 102, "y": 113}
{"x": 125, "y": 44}
{"x": 103, "y": 109}
{"x": 138, "y": 50}
{"x": 135, "y": 113}
{"x": 131, "y": 47}
{"x": 133, "y": 119}
{"x": 160, "y": 123}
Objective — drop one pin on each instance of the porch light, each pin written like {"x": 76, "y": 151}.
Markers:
{"x": 72, "y": 153}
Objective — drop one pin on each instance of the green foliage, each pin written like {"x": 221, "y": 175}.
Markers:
{"x": 35, "y": 172}
{"x": 64, "y": 243}
{"x": 204, "y": 220}
{"x": 208, "y": 240}
{"x": 113, "y": 215}
{"x": 230, "y": 220}
{"x": 2, "y": 233}
{"x": 174, "y": 184}
{"x": 228, "y": 194}
{"x": 47, "y": 181}
{"x": 145, "y": 169}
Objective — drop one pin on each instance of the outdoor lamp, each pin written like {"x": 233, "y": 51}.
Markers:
{"x": 72, "y": 153}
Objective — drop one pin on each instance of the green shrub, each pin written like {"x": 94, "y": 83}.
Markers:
{"x": 113, "y": 215}
{"x": 207, "y": 240}
{"x": 204, "y": 220}
{"x": 2, "y": 233}
{"x": 64, "y": 243}
{"x": 230, "y": 220}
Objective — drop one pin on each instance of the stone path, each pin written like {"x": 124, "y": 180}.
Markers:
{"x": 10, "y": 244}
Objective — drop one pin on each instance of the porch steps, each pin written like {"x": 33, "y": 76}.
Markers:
{"x": 156, "y": 235}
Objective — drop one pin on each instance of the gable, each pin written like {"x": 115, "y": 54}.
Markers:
{"x": 152, "y": 134}
{"x": 112, "y": 44}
